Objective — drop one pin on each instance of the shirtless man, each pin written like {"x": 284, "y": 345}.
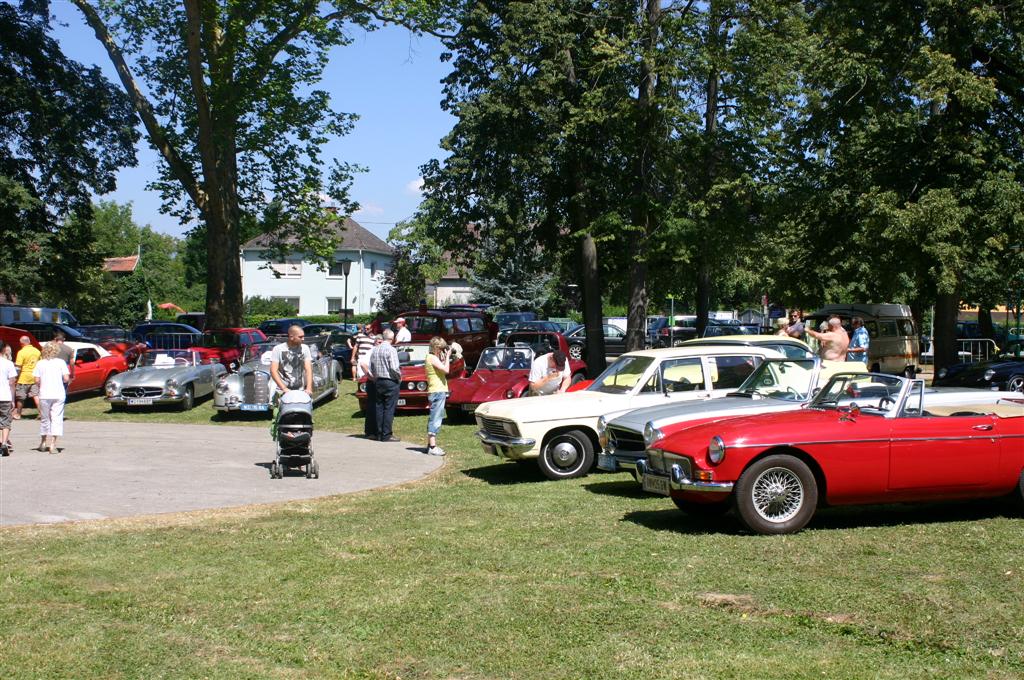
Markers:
{"x": 834, "y": 341}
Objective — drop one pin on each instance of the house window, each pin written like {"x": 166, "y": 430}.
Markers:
{"x": 335, "y": 305}
{"x": 292, "y": 302}
{"x": 337, "y": 271}
{"x": 287, "y": 270}
{"x": 373, "y": 269}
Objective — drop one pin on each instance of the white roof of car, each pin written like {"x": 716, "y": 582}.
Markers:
{"x": 703, "y": 350}
{"x": 86, "y": 345}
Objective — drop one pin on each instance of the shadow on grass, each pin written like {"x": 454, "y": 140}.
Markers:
{"x": 525, "y": 472}
{"x": 623, "y": 488}
{"x": 837, "y": 518}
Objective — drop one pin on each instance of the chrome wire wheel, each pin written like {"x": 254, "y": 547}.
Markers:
{"x": 778, "y": 494}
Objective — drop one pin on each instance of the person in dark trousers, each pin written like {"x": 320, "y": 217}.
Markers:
{"x": 370, "y": 405}
{"x": 387, "y": 374}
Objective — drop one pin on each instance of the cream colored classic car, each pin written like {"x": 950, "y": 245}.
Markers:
{"x": 560, "y": 430}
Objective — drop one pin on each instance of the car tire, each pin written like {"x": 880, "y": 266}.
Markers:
{"x": 189, "y": 400}
{"x": 1015, "y": 383}
{"x": 776, "y": 495}
{"x": 702, "y": 509}
{"x": 566, "y": 455}
{"x": 576, "y": 352}
{"x": 577, "y": 378}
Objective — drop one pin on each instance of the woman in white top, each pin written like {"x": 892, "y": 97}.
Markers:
{"x": 51, "y": 374}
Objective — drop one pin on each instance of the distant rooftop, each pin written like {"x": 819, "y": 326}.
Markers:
{"x": 354, "y": 237}
{"x": 121, "y": 265}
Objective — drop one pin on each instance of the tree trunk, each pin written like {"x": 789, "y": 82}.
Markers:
{"x": 704, "y": 252}
{"x": 985, "y": 320}
{"x": 592, "y": 305}
{"x": 704, "y": 289}
{"x": 947, "y": 307}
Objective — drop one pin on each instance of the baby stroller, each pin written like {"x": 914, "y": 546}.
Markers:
{"x": 294, "y": 435}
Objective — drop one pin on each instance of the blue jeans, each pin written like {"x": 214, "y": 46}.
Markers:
{"x": 436, "y": 400}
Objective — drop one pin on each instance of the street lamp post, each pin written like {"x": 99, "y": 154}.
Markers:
{"x": 346, "y": 267}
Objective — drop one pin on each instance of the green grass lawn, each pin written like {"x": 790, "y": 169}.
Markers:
{"x": 486, "y": 570}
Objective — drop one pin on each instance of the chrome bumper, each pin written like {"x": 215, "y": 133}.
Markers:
{"x": 678, "y": 481}
{"x": 613, "y": 462}
{"x": 506, "y": 447}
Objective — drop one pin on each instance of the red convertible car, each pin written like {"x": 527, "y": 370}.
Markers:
{"x": 412, "y": 391}
{"x": 865, "y": 438}
{"x": 94, "y": 365}
{"x": 503, "y": 372}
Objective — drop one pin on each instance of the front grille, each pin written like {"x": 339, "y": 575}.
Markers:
{"x": 495, "y": 427}
{"x": 255, "y": 388}
{"x": 141, "y": 392}
{"x": 625, "y": 440}
{"x": 659, "y": 461}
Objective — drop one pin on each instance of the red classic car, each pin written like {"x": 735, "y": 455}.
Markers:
{"x": 412, "y": 391}
{"x": 467, "y": 328}
{"x": 866, "y": 438}
{"x": 94, "y": 365}
{"x": 226, "y": 344}
{"x": 503, "y": 372}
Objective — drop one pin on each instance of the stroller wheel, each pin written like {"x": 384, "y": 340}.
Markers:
{"x": 309, "y": 471}
{"x": 316, "y": 469}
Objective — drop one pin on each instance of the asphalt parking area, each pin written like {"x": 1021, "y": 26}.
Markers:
{"x": 127, "y": 469}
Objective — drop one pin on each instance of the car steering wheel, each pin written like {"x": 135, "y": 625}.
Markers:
{"x": 883, "y": 401}
{"x": 792, "y": 390}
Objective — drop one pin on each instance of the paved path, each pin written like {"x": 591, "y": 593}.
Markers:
{"x": 126, "y": 469}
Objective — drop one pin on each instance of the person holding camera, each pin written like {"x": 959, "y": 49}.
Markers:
{"x": 437, "y": 366}
{"x": 549, "y": 374}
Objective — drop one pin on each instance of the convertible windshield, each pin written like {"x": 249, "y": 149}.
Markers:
{"x": 412, "y": 355}
{"x": 871, "y": 392}
{"x": 622, "y": 376}
{"x": 256, "y": 352}
{"x": 168, "y": 358}
{"x": 787, "y": 380}
{"x": 505, "y": 359}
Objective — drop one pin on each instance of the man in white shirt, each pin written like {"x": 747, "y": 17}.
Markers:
{"x": 549, "y": 374}
{"x": 8, "y": 376}
{"x": 291, "y": 364}
{"x": 402, "y": 334}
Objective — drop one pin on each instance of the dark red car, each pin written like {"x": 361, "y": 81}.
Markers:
{"x": 412, "y": 391}
{"x": 467, "y": 328}
{"x": 226, "y": 344}
{"x": 503, "y": 372}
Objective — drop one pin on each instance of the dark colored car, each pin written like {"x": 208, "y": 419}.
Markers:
{"x": 1006, "y": 372}
{"x": 44, "y": 331}
{"x": 167, "y": 335}
{"x": 281, "y": 326}
{"x": 340, "y": 335}
{"x": 506, "y": 320}
{"x": 469, "y": 329}
{"x": 194, "y": 319}
{"x": 106, "y": 333}
{"x": 545, "y": 326}
{"x": 614, "y": 341}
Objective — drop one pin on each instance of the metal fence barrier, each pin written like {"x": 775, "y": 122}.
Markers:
{"x": 969, "y": 351}
{"x": 172, "y": 340}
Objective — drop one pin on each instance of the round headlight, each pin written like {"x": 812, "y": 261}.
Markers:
{"x": 652, "y": 435}
{"x": 510, "y": 394}
{"x": 421, "y": 386}
{"x": 111, "y": 388}
{"x": 943, "y": 372}
{"x": 716, "y": 450}
{"x": 362, "y": 387}
{"x": 222, "y": 386}
{"x": 989, "y": 374}
{"x": 602, "y": 426}
{"x": 410, "y": 386}
{"x": 171, "y": 383}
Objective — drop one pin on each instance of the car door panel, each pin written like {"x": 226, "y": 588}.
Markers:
{"x": 943, "y": 452}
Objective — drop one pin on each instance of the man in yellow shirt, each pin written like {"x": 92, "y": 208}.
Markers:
{"x": 26, "y": 385}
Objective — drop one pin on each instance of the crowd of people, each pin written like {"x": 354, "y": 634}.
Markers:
{"x": 834, "y": 343}
{"x": 39, "y": 375}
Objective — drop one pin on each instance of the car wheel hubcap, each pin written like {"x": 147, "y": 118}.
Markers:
{"x": 778, "y": 494}
{"x": 564, "y": 454}
{"x": 1016, "y": 385}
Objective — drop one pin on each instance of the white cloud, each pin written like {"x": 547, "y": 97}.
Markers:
{"x": 415, "y": 187}
{"x": 369, "y": 210}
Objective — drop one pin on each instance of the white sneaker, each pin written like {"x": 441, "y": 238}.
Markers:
{"x": 436, "y": 451}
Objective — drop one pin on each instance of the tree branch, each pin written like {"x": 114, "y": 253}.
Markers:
{"x": 194, "y": 52}
{"x": 157, "y": 136}
{"x": 401, "y": 21}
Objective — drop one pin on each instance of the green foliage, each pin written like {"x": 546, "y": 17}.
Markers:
{"x": 403, "y": 286}
{"x": 512, "y": 278}
{"x": 268, "y": 307}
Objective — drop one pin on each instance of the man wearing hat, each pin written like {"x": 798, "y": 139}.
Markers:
{"x": 402, "y": 334}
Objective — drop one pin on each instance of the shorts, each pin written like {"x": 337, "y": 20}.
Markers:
{"x": 6, "y": 408}
{"x": 23, "y": 392}
{"x": 437, "y": 400}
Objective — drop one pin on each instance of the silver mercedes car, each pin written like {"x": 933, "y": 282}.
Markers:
{"x": 250, "y": 389}
{"x": 165, "y": 376}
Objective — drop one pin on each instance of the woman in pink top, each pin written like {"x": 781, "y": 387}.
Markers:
{"x": 51, "y": 374}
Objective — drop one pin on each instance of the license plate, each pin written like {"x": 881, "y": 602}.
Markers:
{"x": 606, "y": 462}
{"x": 469, "y": 407}
{"x": 255, "y": 407}
{"x": 656, "y": 484}
{"x": 142, "y": 401}
{"x": 401, "y": 402}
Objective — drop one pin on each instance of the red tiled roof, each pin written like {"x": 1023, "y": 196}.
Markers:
{"x": 121, "y": 265}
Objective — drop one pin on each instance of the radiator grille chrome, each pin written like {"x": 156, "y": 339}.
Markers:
{"x": 255, "y": 388}
{"x": 496, "y": 427}
{"x": 626, "y": 440}
{"x": 141, "y": 392}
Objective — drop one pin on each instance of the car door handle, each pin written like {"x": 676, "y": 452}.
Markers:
{"x": 984, "y": 428}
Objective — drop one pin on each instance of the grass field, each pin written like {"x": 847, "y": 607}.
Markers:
{"x": 486, "y": 570}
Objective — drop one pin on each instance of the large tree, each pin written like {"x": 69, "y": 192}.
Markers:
{"x": 64, "y": 132}
{"x": 226, "y": 91}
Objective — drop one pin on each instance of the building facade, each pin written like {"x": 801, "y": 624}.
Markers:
{"x": 313, "y": 291}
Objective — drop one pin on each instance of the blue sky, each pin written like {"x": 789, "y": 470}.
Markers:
{"x": 389, "y": 77}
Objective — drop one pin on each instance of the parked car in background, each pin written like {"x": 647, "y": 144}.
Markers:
{"x": 790, "y": 347}
{"x": 503, "y": 372}
{"x": 412, "y": 389}
{"x": 468, "y": 329}
{"x": 94, "y": 365}
{"x": 12, "y": 336}
{"x": 280, "y": 326}
{"x": 506, "y": 320}
{"x": 340, "y": 334}
{"x": 716, "y": 328}
{"x": 865, "y": 438}
{"x": 167, "y": 335}
{"x": 536, "y": 325}
{"x": 682, "y": 329}
{"x": 1005, "y": 372}
{"x": 226, "y": 344}
{"x": 115, "y": 340}
{"x": 194, "y": 319}
{"x": 774, "y": 386}
{"x": 13, "y": 315}
{"x": 43, "y": 331}
{"x": 165, "y": 376}
{"x": 250, "y": 388}
{"x": 560, "y": 430}
{"x": 614, "y": 341}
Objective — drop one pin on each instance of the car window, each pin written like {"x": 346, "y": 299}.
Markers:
{"x": 677, "y": 375}
{"x": 622, "y": 376}
{"x": 476, "y": 323}
{"x": 423, "y": 324}
{"x": 613, "y": 332}
{"x": 462, "y": 324}
{"x": 728, "y": 373}
{"x": 887, "y": 328}
{"x": 87, "y": 354}
{"x": 791, "y": 351}
{"x": 906, "y": 327}
{"x": 449, "y": 326}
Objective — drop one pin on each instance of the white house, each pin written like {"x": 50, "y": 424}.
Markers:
{"x": 451, "y": 288}
{"x": 312, "y": 291}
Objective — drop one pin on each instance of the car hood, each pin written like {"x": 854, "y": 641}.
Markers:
{"x": 725, "y": 407}
{"x": 584, "y": 404}
{"x": 485, "y": 385}
{"x": 761, "y": 429}
{"x": 150, "y": 375}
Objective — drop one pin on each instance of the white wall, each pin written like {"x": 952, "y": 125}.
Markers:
{"x": 313, "y": 287}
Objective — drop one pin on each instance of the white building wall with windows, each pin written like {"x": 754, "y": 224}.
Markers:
{"x": 312, "y": 290}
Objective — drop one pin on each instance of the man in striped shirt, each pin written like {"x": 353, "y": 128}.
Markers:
{"x": 362, "y": 343}
{"x": 386, "y": 374}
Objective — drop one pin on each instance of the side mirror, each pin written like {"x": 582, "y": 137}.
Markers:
{"x": 79, "y": 362}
